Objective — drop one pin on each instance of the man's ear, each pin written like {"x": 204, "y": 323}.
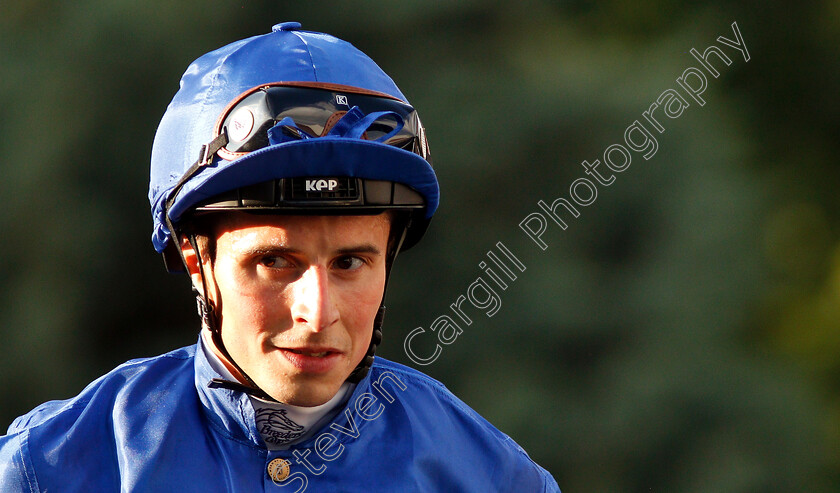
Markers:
{"x": 191, "y": 260}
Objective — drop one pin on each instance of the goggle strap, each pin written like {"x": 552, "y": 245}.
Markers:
{"x": 355, "y": 123}
{"x": 211, "y": 148}
{"x": 284, "y": 131}
{"x": 205, "y": 157}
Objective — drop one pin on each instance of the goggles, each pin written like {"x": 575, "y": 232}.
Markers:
{"x": 311, "y": 110}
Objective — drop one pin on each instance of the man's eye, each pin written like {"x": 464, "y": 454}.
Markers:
{"x": 274, "y": 262}
{"x": 349, "y": 263}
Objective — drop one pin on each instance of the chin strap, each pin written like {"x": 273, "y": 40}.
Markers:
{"x": 210, "y": 318}
{"x": 376, "y": 338}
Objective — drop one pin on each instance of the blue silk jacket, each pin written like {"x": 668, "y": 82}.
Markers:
{"x": 154, "y": 425}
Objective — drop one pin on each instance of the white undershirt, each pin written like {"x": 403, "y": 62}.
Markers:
{"x": 279, "y": 424}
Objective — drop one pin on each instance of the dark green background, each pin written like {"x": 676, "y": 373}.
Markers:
{"x": 682, "y": 335}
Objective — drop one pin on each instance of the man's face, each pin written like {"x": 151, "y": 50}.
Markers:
{"x": 298, "y": 296}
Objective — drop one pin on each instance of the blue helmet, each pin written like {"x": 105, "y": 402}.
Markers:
{"x": 291, "y": 121}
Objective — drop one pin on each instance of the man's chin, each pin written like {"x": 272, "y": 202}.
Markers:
{"x": 309, "y": 397}
{"x": 307, "y": 390}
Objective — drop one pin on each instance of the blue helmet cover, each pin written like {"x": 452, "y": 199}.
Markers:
{"x": 287, "y": 54}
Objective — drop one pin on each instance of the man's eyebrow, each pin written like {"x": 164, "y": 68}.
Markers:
{"x": 365, "y": 248}
{"x": 265, "y": 250}
{"x": 268, "y": 249}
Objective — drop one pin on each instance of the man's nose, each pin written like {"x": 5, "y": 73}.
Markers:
{"x": 313, "y": 304}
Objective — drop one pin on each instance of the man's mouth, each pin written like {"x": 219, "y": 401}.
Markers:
{"x": 313, "y": 359}
{"x": 319, "y": 354}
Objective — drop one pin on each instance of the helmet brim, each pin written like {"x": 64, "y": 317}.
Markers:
{"x": 321, "y": 157}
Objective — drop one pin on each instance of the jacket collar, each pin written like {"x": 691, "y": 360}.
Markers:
{"x": 229, "y": 411}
